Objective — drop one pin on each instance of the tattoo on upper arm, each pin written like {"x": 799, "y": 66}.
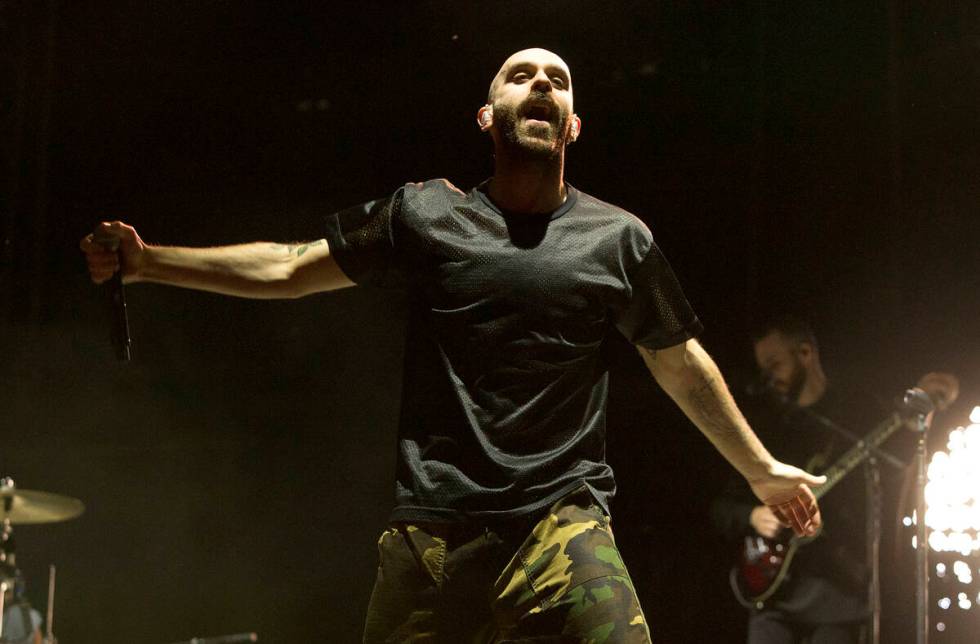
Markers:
{"x": 299, "y": 249}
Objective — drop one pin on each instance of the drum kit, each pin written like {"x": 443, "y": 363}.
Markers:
{"x": 28, "y": 507}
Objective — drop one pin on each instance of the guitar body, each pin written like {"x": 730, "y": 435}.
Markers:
{"x": 760, "y": 563}
{"x": 762, "y": 567}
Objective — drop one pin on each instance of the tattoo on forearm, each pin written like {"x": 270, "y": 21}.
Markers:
{"x": 708, "y": 403}
{"x": 299, "y": 249}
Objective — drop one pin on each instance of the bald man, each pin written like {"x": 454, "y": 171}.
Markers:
{"x": 500, "y": 530}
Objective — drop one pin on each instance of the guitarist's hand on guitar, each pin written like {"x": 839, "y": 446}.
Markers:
{"x": 765, "y": 522}
{"x": 785, "y": 490}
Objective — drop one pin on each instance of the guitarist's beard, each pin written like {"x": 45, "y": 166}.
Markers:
{"x": 781, "y": 393}
{"x": 789, "y": 390}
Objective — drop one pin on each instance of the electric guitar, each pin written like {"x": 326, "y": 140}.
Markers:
{"x": 763, "y": 563}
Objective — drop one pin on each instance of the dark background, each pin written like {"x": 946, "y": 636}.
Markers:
{"x": 817, "y": 156}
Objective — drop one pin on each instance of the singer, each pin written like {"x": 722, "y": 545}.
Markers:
{"x": 500, "y": 529}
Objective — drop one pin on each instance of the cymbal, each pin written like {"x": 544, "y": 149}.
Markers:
{"x": 24, "y": 507}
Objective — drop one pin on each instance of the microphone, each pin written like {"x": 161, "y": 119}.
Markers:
{"x": 942, "y": 388}
{"x": 119, "y": 327}
{"x": 917, "y": 402}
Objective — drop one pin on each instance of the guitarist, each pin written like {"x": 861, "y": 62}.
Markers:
{"x": 824, "y": 595}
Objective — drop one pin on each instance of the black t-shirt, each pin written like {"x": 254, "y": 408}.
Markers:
{"x": 504, "y": 393}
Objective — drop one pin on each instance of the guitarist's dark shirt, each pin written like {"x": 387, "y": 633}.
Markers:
{"x": 827, "y": 577}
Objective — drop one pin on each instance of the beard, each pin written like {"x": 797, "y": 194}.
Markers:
{"x": 792, "y": 387}
{"x": 538, "y": 140}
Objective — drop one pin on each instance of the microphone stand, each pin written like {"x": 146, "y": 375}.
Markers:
{"x": 922, "y": 406}
{"x": 873, "y": 545}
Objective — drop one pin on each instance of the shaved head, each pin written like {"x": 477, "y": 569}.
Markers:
{"x": 532, "y": 54}
{"x": 529, "y": 106}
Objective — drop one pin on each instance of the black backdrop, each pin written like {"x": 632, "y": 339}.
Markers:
{"x": 821, "y": 157}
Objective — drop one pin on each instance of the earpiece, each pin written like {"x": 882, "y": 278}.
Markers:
{"x": 486, "y": 116}
{"x": 573, "y": 128}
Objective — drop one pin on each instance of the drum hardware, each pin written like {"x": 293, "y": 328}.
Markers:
{"x": 8, "y": 584}
{"x": 3, "y": 597}
{"x": 49, "y": 637}
{"x": 29, "y": 507}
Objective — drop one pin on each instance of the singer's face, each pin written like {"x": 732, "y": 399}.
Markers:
{"x": 779, "y": 359}
{"x": 531, "y": 97}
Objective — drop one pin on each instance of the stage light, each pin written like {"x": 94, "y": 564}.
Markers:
{"x": 953, "y": 494}
{"x": 963, "y": 573}
{"x": 952, "y": 517}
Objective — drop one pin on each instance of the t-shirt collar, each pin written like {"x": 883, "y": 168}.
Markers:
{"x": 571, "y": 197}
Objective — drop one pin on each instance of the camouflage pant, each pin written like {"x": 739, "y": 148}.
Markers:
{"x": 564, "y": 583}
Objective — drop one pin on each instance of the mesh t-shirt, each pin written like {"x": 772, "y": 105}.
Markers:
{"x": 504, "y": 395}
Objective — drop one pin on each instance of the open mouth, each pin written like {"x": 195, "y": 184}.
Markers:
{"x": 540, "y": 112}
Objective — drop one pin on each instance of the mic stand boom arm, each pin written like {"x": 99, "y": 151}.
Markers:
{"x": 872, "y": 450}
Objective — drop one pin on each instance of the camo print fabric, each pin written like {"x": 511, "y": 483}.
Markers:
{"x": 566, "y": 584}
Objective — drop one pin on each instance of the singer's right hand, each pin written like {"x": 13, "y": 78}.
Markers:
{"x": 103, "y": 261}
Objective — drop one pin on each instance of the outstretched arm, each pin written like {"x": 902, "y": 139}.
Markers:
{"x": 691, "y": 378}
{"x": 261, "y": 270}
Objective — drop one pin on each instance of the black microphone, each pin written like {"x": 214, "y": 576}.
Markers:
{"x": 917, "y": 402}
{"x": 119, "y": 328}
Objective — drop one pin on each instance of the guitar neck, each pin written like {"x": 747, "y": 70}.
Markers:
{"x": 858, "y": 453}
